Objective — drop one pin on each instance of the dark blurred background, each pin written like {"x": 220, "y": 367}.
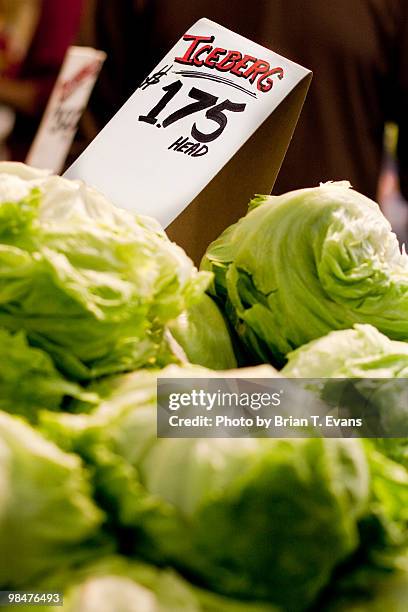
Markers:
{"x": 353, "y": 125}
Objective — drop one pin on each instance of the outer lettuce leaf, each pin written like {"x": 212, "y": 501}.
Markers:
{"x": 390, "y": 497}
{"x": 47, "y": 517}
{"x": 364, "y": 371}
{"x": 374, "y": 592}
{"x": 307, "y": 262}
{"x": 115, "y": 584}
{"x": 244, "y": 517}
{"x": 202, "y": 333}
{"x": 361, "y": 353}
{"x": 91, "y": 284}
{"x": 29, "y": 381}
{"x": 376, "y": 578}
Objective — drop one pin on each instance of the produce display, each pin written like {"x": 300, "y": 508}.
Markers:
{"x": 204, "y": 523}
{"x": 96, "y": 304}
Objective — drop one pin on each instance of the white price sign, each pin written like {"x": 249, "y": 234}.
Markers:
{"x": 187, "y": 119}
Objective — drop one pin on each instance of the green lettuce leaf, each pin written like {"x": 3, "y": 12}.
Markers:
{"x": 29, "y": 381}
{"x": 47, "y": 517}
{"x": 363, "y": 371}
{"x": 364, "y": 354}
{"x": 307, "y": 262}
{"x": 370, "y": 589}
{"x": 202, "y": 333}
{"x": 360, "y": 352}
{"x": 117, "y": 584}
{"x": 375, "y": 578}
{"x": 91, "y": 284}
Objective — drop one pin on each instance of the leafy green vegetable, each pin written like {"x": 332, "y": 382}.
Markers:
{"x": 360, "y": 369}
{"x": 389, "y": 594}
{"x": 361, "y": 353}
{"x": 367, "y": 590}
{"x": 389, "y": 485}
{"x": 29, "y": 381}
{"x": 375, "y": 577}
{"x": 47, "y": 517}
{"x": 91, "y": 284}
{"x": 115, "y": 583}
{"x": 307, "y": 262}
{"x": 243, "y": 516}
{"x": 202, "y": 333}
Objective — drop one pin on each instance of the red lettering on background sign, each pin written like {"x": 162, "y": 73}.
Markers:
{"x": 68, "y": 87}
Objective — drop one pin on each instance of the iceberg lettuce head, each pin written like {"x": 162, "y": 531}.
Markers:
{"x": 307, "y": 262}
{"x": 91, "y": 284}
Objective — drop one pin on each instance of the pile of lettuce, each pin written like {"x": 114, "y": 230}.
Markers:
{"x": 304, "y": 263}
{"x": 96, "y": 304}
{"x": 247, "y": 516}
{"x": 257, "y": 525}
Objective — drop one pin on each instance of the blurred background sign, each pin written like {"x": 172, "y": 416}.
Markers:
{"x": 67, "y": 102}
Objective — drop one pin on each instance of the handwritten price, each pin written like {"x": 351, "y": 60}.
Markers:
{"x": 215, "y": 112}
